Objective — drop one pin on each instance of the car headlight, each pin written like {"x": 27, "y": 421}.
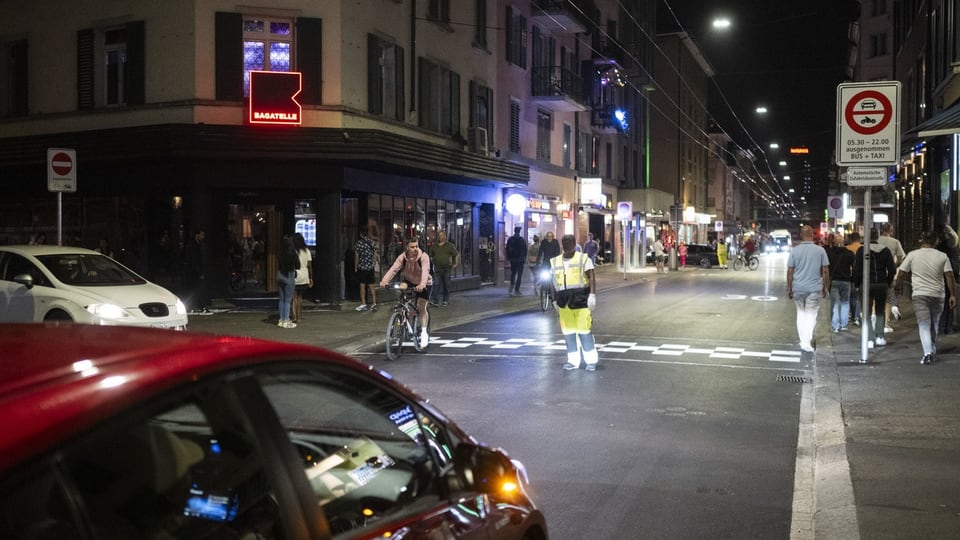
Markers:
{"x": 107, "y": 311}
{"x": 181, "y": 309}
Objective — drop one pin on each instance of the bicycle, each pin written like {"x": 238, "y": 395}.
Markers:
{"x": 404, "y": 322}
{"x": 753, "y": 263}
{"x": 544, "y": 290}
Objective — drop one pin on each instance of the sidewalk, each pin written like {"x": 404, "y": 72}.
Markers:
{"x": 884, "y": 437}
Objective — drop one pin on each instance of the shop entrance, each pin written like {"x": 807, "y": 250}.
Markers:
{"x": 254, "y": 235}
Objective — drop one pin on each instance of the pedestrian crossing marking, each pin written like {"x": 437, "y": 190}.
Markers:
{"x": 618, "y": 348}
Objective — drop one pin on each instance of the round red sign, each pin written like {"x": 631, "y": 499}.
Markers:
{"x": 868, "y": 112}
{"x": 61, "y": 164}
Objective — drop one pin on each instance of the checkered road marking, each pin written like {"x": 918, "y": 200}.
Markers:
{"x": 666, "y": 349}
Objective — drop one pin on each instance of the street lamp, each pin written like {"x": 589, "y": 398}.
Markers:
{"x": 721, "y": 23}
{"x": 761, "y": 110}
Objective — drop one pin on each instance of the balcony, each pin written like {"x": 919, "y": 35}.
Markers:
{"x": 610, "y": 119}
{"x": 610, "y": 52}
{"x": 557, "y": 89}
{"x": 563, "y": 16}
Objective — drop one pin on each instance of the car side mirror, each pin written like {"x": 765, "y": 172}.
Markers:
{"x": 486, "y": 470}
{"x": 24, "y": 279}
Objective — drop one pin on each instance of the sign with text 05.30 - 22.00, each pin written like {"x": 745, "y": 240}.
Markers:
{"x": 868, "y": 123}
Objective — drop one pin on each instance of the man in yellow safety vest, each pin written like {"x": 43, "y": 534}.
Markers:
{"x": 574, "y": 286}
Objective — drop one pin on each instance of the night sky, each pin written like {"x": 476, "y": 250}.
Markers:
{"x": 787, "y": 56}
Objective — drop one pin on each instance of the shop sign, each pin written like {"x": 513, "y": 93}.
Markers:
{"x": 273, "y": 97}
{"x": 591, "y": 191}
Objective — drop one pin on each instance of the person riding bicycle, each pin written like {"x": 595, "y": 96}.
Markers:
{"x": 415, "y": 264}
{"x": 748, "y": 248}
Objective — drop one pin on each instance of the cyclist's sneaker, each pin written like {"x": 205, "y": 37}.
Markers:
{"x": 374, "y": 307}
{"x": 363, "y": 307}
{"x": 290, "y": 324}
{"x": 424, "y": 338}
{"x": 280, "y": 323}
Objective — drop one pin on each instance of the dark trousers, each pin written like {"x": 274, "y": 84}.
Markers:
{"x": 516, "y": 274}
{"x": 441, "y": 282}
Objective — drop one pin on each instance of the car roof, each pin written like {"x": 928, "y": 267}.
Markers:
{"x": 35, "y": 251}
{"x": 57, "y": 380}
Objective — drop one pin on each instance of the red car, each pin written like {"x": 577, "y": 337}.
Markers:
{"x": 114, "y": 432}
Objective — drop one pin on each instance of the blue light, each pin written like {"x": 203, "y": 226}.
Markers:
{"x": 621, "y": 117}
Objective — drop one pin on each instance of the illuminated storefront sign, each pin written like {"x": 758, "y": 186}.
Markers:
{"x": 273, "y": 97}
{"x": 591, "y": 192}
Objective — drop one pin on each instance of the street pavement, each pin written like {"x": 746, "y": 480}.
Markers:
{"x": 879, "y": 442}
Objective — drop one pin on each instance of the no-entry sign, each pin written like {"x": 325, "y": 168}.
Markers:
{"x": 61, "y": 170}
{"x": 868, "y": 123}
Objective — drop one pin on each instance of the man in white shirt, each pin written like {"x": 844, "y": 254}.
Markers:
{"x": 927, "y": 269}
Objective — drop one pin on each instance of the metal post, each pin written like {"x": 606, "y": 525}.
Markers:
{"x": 865, "y": 282}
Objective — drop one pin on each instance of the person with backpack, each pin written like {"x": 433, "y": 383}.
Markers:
{"x": 882, "y": 272}
{"x": 516, "y": 253}
{"x": 415, "y": 265}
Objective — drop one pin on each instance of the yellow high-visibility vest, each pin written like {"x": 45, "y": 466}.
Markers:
{"x": 569, "y": 273}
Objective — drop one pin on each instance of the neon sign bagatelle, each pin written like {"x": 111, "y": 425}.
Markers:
{"x": 273, "y": 97}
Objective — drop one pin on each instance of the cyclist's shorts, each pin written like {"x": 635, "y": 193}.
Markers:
{"x": 425, "y": 293}
{"x": 575, "y": 321}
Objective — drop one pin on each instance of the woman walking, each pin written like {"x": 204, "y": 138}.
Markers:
{"x": 287, "y": 264}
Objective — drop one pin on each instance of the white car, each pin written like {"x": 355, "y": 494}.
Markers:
{"x": 52, "y": 283}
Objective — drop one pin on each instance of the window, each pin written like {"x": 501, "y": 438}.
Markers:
{"x": 115, "y": 50}
{"x": 362, "y": 447}
{"x": 516, "y": 38}
{"x": 186, "y": 468}
{"x": 121, "y": 76}
{"x": 514, "y": 126}
{"x": 481, "y": 107}
{"x": 267, "y": 46}
{"x": 439, "y": 11}
{"x": 13, "y": 78}
{"x": 439, "y": 98}
{"x": 480, "y": 24}
{"x": 879, "y": 8}
{"x": 385, "y": 78}
{"x": 567, "y": 133}
{"x": 878, "y": 45}
{"x": 544, "y": 126}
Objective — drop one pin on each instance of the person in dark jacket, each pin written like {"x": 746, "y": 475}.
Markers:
{"x": 287, "y": 264}
{"x": 882, "y": 272}
{"x": 841, "y": 276}
{"x": 947, "y": 244}
{"x": 516, "y": 253}
{"x": 549, "y": 248}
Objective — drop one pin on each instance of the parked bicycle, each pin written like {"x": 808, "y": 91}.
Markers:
{"x": 752, "y": 263}
{"x": 403, "y": 327}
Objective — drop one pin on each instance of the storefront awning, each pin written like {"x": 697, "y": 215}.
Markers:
{"x": 945, "y": 123}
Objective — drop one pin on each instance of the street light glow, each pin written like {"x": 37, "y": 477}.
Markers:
{"x": 721, "y": 23}
{"x": 761, "y": 110}
{"x": 774, "y": 146}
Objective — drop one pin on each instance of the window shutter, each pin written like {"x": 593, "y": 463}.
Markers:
{"x": 85, "y": 69}
{"x": 134, "y": 81}
{"x": 472, "y": 96}
{"x": 374, "y": 82}
{"x": 401, "y": 100}
{"x": 424, "y": 86}
{"x": 489, "y": 93}
{"x": 229, "y": 56}
{"x": 310, "y": 59}
{"x": 511, "y": 39}
{"x": 454, "y": 103}
{"x": 20, "y": 84}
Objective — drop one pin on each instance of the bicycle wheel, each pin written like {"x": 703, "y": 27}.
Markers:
{"x": 754, "y": 262}
{"x": 544, "y": 297}
{"x": 395, "y": 334}
{"x": 738, "y": 264}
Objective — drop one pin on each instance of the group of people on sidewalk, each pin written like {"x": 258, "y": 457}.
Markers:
{"x": 834, "y": 271}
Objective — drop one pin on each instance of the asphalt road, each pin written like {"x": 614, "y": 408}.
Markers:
{"x": 684, "y": 431}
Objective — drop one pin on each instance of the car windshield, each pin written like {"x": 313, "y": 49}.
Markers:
{"x": 89, "y": 270}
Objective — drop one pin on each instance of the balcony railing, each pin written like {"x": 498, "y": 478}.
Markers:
{"x": 557, "y": 89}
{"x": 564, "y": 16}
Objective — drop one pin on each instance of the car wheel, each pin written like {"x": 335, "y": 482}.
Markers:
{"x": 705, "y": 262}
{"x": 57, "y": 315}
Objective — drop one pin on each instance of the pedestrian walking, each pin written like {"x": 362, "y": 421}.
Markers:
{"x": 659, "y": 255}
{"x": 591, "y": 247}
{"x": 854, "y": 244}
{"x": 927, "y": 270}
{"x": 841, "y": 280}
{"x": 808, "y": 280}
{"x": 195, "y": 266}
{"x": 532, "y": 252}
{"x": 882, "y": 271}
{"x": 516, "y": 253}
{"x": 682, "y": 251}
{"x": 445, "y": 258}
{"x": 947, "y": 243}
{"x": 287, "y": 264}
{"x": 892, "y": 309}
{"x": 574, "y": 286}
{"x": 304, "y": 278}
{"x": 364, "y": 263}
